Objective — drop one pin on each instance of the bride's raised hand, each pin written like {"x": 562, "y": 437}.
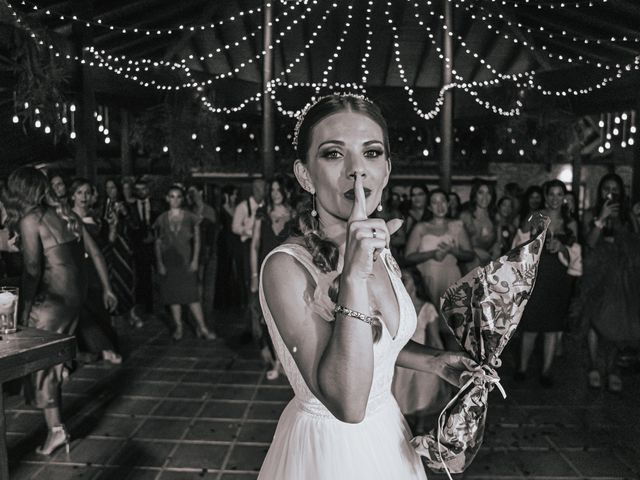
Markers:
{"x": 366, "y": 237}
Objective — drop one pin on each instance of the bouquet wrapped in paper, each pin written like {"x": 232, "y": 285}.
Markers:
{"x": 482, "y": 310}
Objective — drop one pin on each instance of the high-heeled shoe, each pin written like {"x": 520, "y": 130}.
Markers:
{"x": 205, "y": 334}
{"x": 112, "y": 357}
{"x": 56, "y": 438}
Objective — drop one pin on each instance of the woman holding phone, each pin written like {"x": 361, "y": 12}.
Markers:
{"x": 610, "y": 290}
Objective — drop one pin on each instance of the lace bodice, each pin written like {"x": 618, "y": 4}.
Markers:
{"x": 385, "y": 351}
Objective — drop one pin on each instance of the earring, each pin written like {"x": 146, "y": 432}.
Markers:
{"x": 314, "y": 212}
{"x": 379, "y": 207}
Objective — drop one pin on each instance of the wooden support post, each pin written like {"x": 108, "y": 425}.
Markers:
{"x": 446, "y": 115}
{"x": 125, "y": 147}
{"x": 268, "y": 133}
{"x": 86, "y": 141}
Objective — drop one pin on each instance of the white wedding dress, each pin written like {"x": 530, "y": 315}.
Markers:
{"x": 311, "y": 444}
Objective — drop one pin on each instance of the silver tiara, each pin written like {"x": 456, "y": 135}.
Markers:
{"x": 310, "y": 105}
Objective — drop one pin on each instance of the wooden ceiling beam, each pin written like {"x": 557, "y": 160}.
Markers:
{"x": 253, "y": 42}
{"x": 197, "y": 51}
{"x": 510, "y": 23}
{"x": 207, "y": 13}
{"x": 396, "y": 14}
{"x": 165, "y": 14}
{"x": 487, "y": 48}
{"x": 570, "y": 45}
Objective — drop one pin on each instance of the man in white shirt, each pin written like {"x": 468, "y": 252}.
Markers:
{"x": 243, "y": 218}
{"x": 245, "y": 213}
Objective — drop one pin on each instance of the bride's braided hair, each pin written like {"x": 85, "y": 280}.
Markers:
{"x": 324, "y": 252}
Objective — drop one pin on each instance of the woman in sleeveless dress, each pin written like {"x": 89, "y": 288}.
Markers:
{"x": 271, "y": 227}
{"x": 53, "y": 244}
{"x": 479, "y": 221}
{"x": 560, "y": 263}
{"x": 337, "y": 312}
{"x": 437, "y": 247}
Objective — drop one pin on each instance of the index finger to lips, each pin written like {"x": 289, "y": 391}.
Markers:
{"x": 359, "y": 209}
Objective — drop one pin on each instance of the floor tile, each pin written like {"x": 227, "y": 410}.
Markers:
{"x": 246, "y": 457}
{"x": 212, "y": 430}
{"x": 232, "y": 392}
{"x": 89, "y": 451}
{"x": 542, "y": 464}
{"x": 266, "y": 410}
{"x": 165, "y": 375}
{"x": 194, "y": 392}
{"x": 57, "y": 472}
{"x": 221, "y": 409}
{"x": 239, "y": 378}
{"x": 490, "y": 463}
{"x": 132, "y": 406}
{"x": 110, "y": 426}
{"x": 162, "y": 429}
{"x": 178, "y": 408}
{"x": 277, "y": 394}
{"x": 137, "y": 453}
{"x": 257, "y": 432}
{"x": 600, "y": 463}
{"x": 191, "y": 455}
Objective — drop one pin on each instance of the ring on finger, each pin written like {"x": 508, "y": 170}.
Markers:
{"x": 373, "y": 231}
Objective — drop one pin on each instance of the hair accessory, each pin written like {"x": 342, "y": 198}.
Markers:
{"x": 311, "y": 104}
{"x": 379, "y": 207}
{"x": 314, "y": 212}
{"x": 347, "y": 312}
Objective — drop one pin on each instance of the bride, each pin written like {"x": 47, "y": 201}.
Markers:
{"x": 337, "y": 311}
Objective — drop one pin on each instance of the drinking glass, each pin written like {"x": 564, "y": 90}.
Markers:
{"x": 9, "y": 309}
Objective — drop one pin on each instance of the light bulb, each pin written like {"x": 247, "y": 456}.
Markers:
{"x": 38, "y": 124}
{"x": 15, "y": 119}
{"x": 425, "y": 152}
{"x": 165, "y": 149}
{"x": 47, "y": 129}
{"x": 107, "y": 140}
{"x": 194, "y": 136}
{"x": 72, "y": 135}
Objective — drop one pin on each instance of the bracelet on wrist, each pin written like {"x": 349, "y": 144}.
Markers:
{"x": 599, "y": 223}
{"x": 347, "y": 312}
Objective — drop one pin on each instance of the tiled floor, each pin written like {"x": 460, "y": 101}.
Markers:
{"x": 205, "y": 410}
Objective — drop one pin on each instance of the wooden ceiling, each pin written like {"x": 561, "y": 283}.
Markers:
{"x": 512, "y": 36}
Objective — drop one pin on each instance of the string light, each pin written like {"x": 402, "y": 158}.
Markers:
{"x": 134, "y": 30}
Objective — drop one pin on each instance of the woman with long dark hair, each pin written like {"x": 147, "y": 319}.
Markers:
{"x": 53, "y": 243}
{"x": 610, "y": 288}
{"x": 337, "y": 312}
{"x": 480, "y": 222}
{"x": 271, "y": 227}
{"x": 560, "y": 263}
{"x": 95, "y": 333}
{"x": 119, "y": 253}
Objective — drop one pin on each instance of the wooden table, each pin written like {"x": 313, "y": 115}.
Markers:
{"x": 26, "y": 351}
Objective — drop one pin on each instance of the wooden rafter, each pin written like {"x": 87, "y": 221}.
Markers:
{"x": 510, "y": 24}
{"x": 487, "y": 47}
{"x": 205, "y": 16}
{"x": 197, "y": 53}
{"x": 253, "y": 41}
{"x": 396, "y": 14}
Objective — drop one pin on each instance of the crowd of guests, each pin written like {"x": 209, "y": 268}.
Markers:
{"x": 186, "y": 250}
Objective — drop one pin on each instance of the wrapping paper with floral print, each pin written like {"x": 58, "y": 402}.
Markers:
{"x": 482, "y": 310}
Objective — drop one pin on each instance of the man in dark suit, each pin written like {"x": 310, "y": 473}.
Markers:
{"x": 145, "y": 211}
